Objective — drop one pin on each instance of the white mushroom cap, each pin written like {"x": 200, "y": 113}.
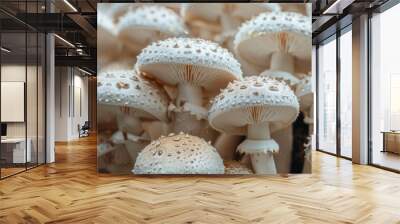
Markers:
{"x": 286, "y": 32}
{"x": 189, "y": 60}
{"x": 128, "y": 91}
{"x": 179, "y": 154}
{"x": 246, "y": 11}
{"x": 288, "y": 78}
{"x": 200, "y": 11}
{"x": 107, "y": 34}
{"x": 304, "y": 92}
{"x": 250, "y": 101}
{"x": 106, "y": 23}
{"x": 146, "y": 24}
{"x": 212, "y": 13}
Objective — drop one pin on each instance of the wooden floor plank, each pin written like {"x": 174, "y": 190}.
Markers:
{"x": 71, "y": 191}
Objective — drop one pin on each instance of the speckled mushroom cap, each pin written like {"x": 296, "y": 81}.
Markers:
{"x": 179, "y": 154}
{"x": 273, "y": 32}
{"x": 288, "y": 78}
{"x": 146, "y": 24}
{"x": 127, "y": 90}
{"x": 253, "y": 100}
{"x": 191, "y": 60}
{"x": 304, "y": 92}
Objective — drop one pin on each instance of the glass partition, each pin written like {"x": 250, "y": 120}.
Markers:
{"x": 346, "y": 94}
{"x": 327, "y": 96}
{"x": 22, "y": 78}
{"x": 385, "y": 90}
{"x": 14, "y": 155}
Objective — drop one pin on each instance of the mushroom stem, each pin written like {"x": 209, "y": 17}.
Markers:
{"x": 129, "y": 124}
{"x": 189, "y": 93}
{"x": 258, "y": 131}
{"x": 226, "y": 144}
{"x": 260, "y": 146}
{"x": 228, "y": 23}
{"x": 134, "y": 147}
{"x": 188, "y": 123}
{"x": 282, "y": 61}
{"x": 155, "y": 129}
{"x": 185, "y": 119}
{"x": 263, "y": 163}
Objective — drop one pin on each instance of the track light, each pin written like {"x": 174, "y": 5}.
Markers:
{"x": 84, "y": 71}
{"x": 337, "y": 7}
{"x": 70, "y": 5}
{"x": 65, "y": 41}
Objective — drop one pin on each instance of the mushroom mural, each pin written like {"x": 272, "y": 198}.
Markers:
{"x": 134, "y": 101}
{"x": 197, "y": 68}
{"x": 249, "y": 107}
{"x": 179, "y": 154}
{"x": 276, "y": 41}
{"x": 235, "y": 113}
{"x": 146, "y": 24}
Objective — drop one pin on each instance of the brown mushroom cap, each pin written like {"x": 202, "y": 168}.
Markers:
{"x": 127, "y": 91}
{"x": 189, "y": 60}
{"x": 250, "y": 101}
{"x": 268, "y": 33}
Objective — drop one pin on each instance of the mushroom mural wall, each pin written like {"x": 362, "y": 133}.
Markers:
{"x": 204, "y": 88}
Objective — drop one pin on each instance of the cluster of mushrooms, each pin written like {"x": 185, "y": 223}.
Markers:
{"x": 173, "y": 99}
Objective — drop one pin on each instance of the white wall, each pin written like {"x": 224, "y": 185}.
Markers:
{"x": 70, "y": 83}
{"x": 33, "y": 126}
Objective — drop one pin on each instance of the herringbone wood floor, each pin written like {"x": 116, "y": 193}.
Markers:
{"x": 70, "y": 191}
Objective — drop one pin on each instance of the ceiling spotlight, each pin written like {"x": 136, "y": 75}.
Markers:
{"x": 5, "y": 50}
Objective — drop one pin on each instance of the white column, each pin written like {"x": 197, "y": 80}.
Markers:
{"x": 360, "y": 90}
{"x": 50, "y": 99}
